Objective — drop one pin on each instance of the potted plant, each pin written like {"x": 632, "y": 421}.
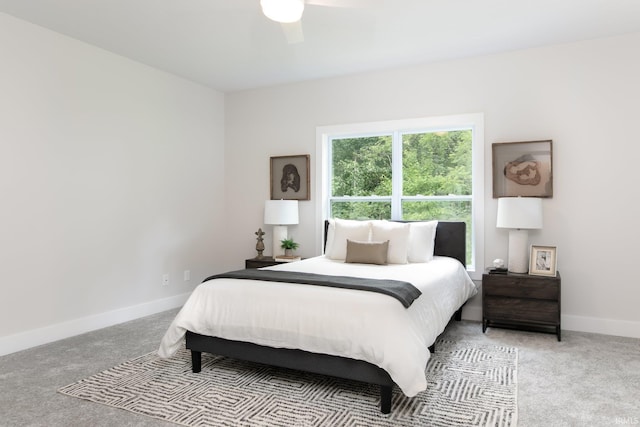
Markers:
{"x": 289, "y": 246}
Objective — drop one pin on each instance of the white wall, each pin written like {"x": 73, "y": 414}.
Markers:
{"x": 111, "y": 174}
{"x": 584, "y": 96}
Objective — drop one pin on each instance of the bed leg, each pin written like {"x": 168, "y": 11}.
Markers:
{"x": 458, "y": 314}
{"x": 385, "y": 398}
{"x": 196, "y": 361}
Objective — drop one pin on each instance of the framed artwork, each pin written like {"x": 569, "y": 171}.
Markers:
{"x": 290, "y": 177}
{"x": 543, "y": 261}
{"x": 523, "y": 169}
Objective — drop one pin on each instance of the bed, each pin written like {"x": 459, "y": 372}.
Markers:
{"x": 314, "y": 329}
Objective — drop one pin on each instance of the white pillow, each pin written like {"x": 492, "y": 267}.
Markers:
{"x": 422, "y": 241}
{"x": 397, "y": 234}
{"x": 344, "y": 229}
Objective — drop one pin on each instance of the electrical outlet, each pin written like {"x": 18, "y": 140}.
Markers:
{"x": 165, "y": 280}
{"x": 187, "y": 275}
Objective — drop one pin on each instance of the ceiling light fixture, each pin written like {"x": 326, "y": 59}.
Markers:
{"x": 285, "y": 11}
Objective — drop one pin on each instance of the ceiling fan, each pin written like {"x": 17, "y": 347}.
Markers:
{"x": 283, "y": 11}
{"x": 289, "y": 13}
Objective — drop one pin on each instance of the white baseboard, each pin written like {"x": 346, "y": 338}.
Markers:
{"x": 621, "y": 328}
{"x": 35, "y": 337}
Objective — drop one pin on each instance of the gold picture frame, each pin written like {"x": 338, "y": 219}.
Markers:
{"x": 543, "y": 261}
{"x": 289, "y": 177}
{"x": 522, "y": 169}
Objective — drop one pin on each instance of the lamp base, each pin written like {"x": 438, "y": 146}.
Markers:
{"x": 279, "y": 234}
{"x": 518, "y": 253}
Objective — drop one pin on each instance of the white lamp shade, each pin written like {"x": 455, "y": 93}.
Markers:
{"x": 281, "y": 212}
{"x": 519, "y": 212}
{"x": 285, "y": 11}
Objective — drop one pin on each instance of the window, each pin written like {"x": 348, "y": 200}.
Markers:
{"x": 410, "y": 170}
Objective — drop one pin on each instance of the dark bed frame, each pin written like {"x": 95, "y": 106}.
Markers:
{"x": 450, "y": 241}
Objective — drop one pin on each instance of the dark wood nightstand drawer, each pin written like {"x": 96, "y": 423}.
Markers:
{"x": 259, "y": 263}
{"x": 262, "y": 262}
{"x": 530, "y": 288}
{"x": 521, "y": 309}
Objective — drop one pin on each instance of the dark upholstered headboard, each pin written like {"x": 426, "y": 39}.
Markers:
{"x": 451, "y": 239}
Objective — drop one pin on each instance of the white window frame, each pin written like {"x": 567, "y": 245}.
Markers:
{"x": 474, "y": 122}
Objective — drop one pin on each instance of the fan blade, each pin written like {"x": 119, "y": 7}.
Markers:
{"x": 293, "y": 32}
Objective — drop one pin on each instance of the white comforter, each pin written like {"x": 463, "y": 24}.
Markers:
{"x": 342, "y": 322}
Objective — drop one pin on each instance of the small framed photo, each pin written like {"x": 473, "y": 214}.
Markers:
{"x": 543, "y": 261}
{"x": 290, "y": 178}
{"x": 522, "y": 169}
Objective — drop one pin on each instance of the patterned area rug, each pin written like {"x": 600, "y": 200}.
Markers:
{"x": 468, "y": 385}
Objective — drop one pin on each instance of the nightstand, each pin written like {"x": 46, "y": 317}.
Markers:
{"x": 260, "y": 262}
{"x": 521, "y": 301}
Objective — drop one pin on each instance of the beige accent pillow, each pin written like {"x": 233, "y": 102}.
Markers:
{"x": 367, "y": 252}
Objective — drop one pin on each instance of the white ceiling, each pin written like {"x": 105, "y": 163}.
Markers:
{"x": 229, "y": 45}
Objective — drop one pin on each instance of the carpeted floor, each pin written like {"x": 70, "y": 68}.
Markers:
{"x": 585, "y": 380}
{"x": 468, "y": 385}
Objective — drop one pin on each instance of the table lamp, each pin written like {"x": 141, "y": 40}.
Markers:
{"x": 519, "y": 214}
{"x": 280, "y": 213}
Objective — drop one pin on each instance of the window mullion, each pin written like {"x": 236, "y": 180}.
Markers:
{"x": 396, "y": 176}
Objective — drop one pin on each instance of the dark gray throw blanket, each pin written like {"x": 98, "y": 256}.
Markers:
{"x": 404, "y": 292}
